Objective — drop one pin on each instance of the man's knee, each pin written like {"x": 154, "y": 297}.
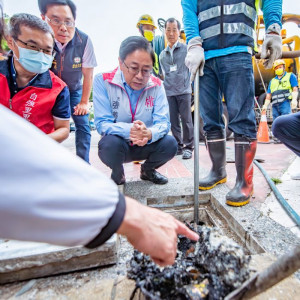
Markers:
{"x": 109, "y": 147}
{"x": 278, "y": 125}
{"x": 169, "y": 145}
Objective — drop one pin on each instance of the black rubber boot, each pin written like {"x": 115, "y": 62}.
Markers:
{"x": 244, "y": 154}
{"x": 216, "y": 145}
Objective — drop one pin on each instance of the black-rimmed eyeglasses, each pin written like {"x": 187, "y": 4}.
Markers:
{"x": 57, "y": 22}
{"x": 34, "y": 47}
{"x": 135, "y": 71}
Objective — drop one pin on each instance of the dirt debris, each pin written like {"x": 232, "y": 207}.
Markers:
{"x": 209, "y": 269}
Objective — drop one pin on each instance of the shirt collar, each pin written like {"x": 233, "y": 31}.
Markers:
{"x": 14, "y": 74}
{"x": 174, "y": 46}
{"x": 61, "y": 47}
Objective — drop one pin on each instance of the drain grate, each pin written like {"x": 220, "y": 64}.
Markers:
{"x": 211, "y": 213}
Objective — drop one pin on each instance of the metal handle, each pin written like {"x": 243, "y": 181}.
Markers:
{"x": 196, "y": 149}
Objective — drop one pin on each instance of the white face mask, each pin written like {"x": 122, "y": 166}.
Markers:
{"x": 34, "y": 61}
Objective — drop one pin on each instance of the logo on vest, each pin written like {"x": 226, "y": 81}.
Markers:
{"x": 54, "y": 64}
{"x": 149, "y": 102}
{"x": 77, "y": 63}
{"x": 77, "y": 60}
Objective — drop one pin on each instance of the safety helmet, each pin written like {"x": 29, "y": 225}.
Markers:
{"x": 145, "y": 20}
{"x": 278, "y": 62}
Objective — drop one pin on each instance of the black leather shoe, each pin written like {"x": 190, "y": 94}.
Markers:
{"x": 154, "y": 176}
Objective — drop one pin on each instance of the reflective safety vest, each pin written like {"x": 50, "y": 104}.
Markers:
{"x": 156, "y": 65}
{"x": 281, "y": 89}
{"x": 224, "y": 24}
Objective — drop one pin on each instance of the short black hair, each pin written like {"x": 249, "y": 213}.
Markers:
{"x": 134, "y": 43}
{"x": 43, "y": 4}
{"x": 31, "y": 21}
{"x": 173, "y": 20}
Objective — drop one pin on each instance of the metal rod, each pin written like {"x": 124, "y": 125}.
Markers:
{"x": 282, "y": 268}
{"x": 285, "y": 54}
{"x": 196, "y": 149}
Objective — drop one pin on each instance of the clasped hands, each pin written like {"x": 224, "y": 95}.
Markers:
{"x": 140, "y": 134}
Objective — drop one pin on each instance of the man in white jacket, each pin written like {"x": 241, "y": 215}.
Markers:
{"x": 49, "y": 195}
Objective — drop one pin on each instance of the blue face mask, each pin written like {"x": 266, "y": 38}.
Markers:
{"x": 34, "y": 61}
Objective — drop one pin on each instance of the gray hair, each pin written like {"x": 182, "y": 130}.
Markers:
{"x": 28, "y": 20}
{"x": 134, "y": 43}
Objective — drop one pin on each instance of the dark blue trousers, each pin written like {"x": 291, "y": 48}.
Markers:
{"x": 287, "y": 129}
{"x": 114, "y": 151}
{"x": 82, "y": 125}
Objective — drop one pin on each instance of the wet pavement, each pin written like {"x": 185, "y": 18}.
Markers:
{"x": 262, "y": 221}
{"x": 277, "y": 160}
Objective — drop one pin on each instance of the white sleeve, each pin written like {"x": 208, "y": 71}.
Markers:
{"x": 89, "y": 57}
{"x": 47, "y": 194}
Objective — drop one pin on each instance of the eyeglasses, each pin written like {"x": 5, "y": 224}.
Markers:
{"x": 57, "y": 22}
{"x": 33, "y": 47}
{"x": 135, "y": 71}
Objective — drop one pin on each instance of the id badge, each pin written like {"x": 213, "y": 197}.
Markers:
{"x": 173, "y": 68}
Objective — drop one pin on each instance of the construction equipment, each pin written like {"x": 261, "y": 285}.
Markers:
{"x": 290, "y": 55}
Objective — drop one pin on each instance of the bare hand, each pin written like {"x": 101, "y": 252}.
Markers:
{"x": 153, "y": 232}
{"x": 81, "y": 109}
{"x": 140, "y": 134}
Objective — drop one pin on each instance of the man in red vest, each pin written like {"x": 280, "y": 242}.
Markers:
{"x": 27, "y": 86}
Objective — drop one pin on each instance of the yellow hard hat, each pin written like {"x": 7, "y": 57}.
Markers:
{"x": 145, "y": 20}
{"x": 278, "y": 62}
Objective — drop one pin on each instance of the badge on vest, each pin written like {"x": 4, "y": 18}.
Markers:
{"x": 54, "y": 64}
{"x": 173, "y": 68}
{"x": 77, "y": 63}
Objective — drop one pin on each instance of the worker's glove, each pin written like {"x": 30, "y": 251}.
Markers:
{"x": 272, "y": 46}
{"x": 195, "y": 57}
{"x": 265, "y": 106}
{"x": 294, "y": 100}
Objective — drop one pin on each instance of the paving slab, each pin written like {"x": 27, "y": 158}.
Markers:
{"x": 290, "y": 190}
{"x": 24, "y": 260}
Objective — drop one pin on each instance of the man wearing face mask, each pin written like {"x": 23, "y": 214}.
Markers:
{"x": 27, "y": 86}
{"x": 74, "y": 63}
{"x": 147, "y": 28}
{"x": 282, "y": 91}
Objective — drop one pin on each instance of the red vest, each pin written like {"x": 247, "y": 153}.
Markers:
{"x": 33, "y": 103}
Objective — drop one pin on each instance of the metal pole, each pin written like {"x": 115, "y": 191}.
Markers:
{"x": 196, "y": 149}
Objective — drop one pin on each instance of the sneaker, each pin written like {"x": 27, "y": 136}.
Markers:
{"x": 187, "y": 154}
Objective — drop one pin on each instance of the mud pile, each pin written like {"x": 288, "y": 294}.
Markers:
{"x": 209, "y": 269}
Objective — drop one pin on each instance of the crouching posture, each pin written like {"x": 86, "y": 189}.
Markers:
{"x": 132, "y": 114}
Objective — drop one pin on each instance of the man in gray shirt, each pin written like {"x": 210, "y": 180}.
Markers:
{"x": 178, "y": 88}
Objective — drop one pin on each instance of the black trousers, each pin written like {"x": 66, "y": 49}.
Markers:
{"x": 180, "y": 106}
{"x": 114, "y": 151}
{"x": 287, "y": 129}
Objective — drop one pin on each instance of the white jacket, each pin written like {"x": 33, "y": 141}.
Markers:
{"x": 49, "y": 195}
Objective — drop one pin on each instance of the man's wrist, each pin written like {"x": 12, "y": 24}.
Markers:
{"x": 274, "y": 29}
{"x": 149, "y": 135}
